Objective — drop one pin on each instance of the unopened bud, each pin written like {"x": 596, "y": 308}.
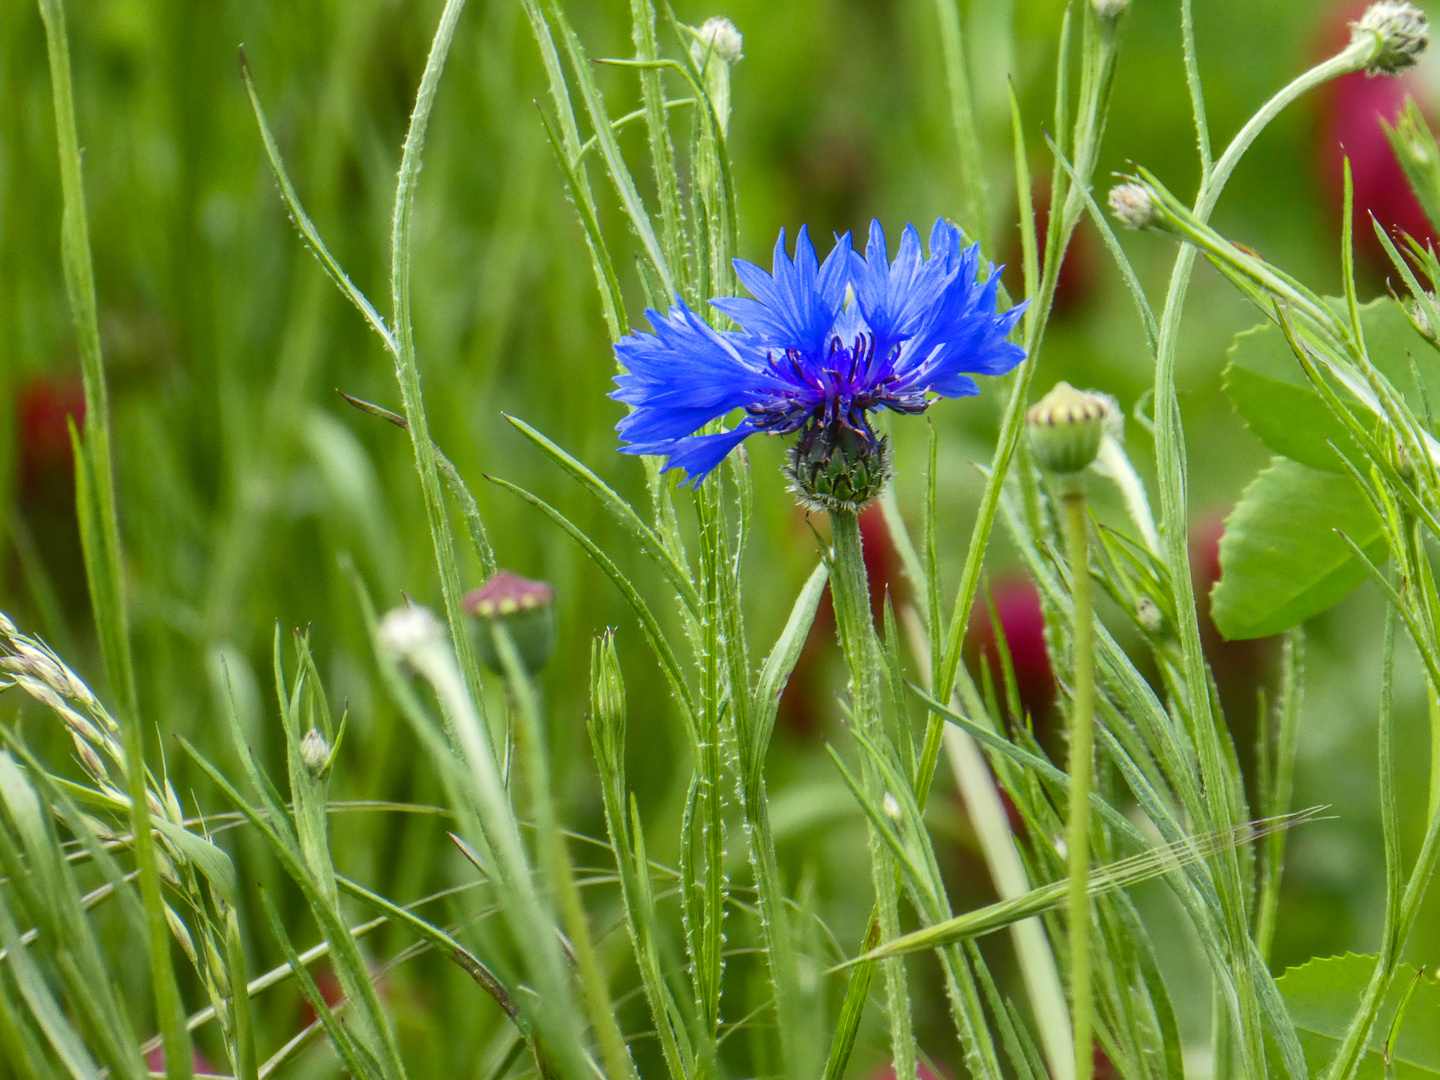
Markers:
{"x": 315, "y": 753}
{"x": 1110, "y": 10}
{"x": 1147, "y": 612}
{"x": 405, "y": 630}
{"x": 1132, "y": 205}
{"x": 891, "y": 806}
{"x": 1066, "y": 427}
{"x": 1402, "y": 31}
{"x": 1419, "y": 318}
{"x": 526, "y": 609}
{"x": 607, "y": 683}
{"x": 718, "y": 38}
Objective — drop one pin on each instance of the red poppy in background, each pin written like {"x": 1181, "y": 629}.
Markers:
{"x": 43, "y": 408}
{"x": 155, "y": 1062}
{"x": 1022, "y": 621}
{"x": 1077, "y": 269}
{"x": 1351, "y": 109}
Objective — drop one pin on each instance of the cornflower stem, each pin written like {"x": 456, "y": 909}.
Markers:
{"x": 850, "y": 589}
{"x": 1082, "y": 740}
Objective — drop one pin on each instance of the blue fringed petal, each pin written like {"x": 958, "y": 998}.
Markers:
{"x": 795, "y": 306}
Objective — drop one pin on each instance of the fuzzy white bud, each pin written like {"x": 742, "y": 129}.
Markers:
{"x": 891, "y": 806}
{"x": 718, "y": 37}
{"x": 1132, "y": 205}
{"x": 406, "y": 630}
{"x": 1110, "y": 10}
{"x": 1148, "y": 613}
{"x": 1403, "y": 32}
{"x": 315, "y": 752}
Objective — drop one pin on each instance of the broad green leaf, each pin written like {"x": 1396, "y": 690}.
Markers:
{"x": 1273, "y": 395}
{"x": 1323, "y": 996}
{"x": 1281, "y": 559}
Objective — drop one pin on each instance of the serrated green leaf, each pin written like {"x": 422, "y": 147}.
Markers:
{"x": 1281, "y": 560}
{"x": 1323, "y": 995}
{"x": 1272, "y": 393}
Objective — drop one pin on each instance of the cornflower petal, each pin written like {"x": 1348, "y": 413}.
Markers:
{"x": 698, "y": 455}
{"x": 678, "y": 379}
{"x": 897, "y": 299}
{"x": 795, "y": 306}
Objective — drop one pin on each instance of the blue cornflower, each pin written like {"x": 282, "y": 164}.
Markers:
{"x": 820, "y": 347}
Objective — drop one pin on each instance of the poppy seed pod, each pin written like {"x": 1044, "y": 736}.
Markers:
{"x": 526, "y": 609}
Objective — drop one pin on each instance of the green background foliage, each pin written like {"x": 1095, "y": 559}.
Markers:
{"x": 247, "y": 486}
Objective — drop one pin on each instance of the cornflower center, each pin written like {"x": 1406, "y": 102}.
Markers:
{"x": 835, "y": 394}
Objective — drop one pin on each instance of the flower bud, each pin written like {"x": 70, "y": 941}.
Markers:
{"x": 1403, "y": 33}
{"x": 715, "y": 50}
{"x": 406, "y": 630}
{"x": 835, "y": 468}
{"x": 1148, "y": 613}
{"x": 526, "y": 609}
{"x": 1066, "y": 427}
{"x": 1419, "y": 318}
{"x": 891, "y": 806}
{"x": 1110, "y": 10}
{"x": 719, "y": 38}
{"x": 315, "y": 753}
{"x": 1132, "y": 205}
{"x": 607, "y": 705}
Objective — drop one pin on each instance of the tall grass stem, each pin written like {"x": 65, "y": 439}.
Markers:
{"x": 100, "y": 535}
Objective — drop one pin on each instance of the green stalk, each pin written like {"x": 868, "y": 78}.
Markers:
{"x": 850, "y": 588}
{"x": 1281, "y": 786}
{"x": 974, "y": 212}
{"x": 556, "y": 859}
{"x": 1082, "y": 754}
{"x": 1090, "y": 128}
{"x": 1402, "y": 906}
{"x": 100, "y": 536}
{"x": 407, "y": 369}
{"x": 1170, "y": 459}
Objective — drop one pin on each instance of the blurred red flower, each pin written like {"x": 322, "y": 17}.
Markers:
{"x": 1077, "y": 269}
{"x": 155, "y": 1062}
{"x": 1022, "y": 621}
{"x": 43, "y": 407}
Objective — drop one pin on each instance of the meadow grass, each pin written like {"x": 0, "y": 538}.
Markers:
{"x": 407, "y": 859}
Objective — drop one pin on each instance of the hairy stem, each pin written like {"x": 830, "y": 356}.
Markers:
{"x": 1082, "y": 738}
{"x": 850, "y": 588}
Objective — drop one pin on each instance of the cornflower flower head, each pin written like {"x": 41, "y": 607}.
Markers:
{"x": 821, "y": 346}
